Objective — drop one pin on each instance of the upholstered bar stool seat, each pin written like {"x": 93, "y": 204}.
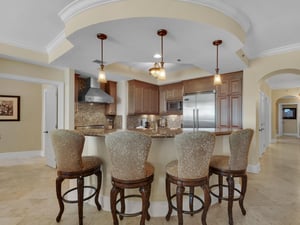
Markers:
{"x": 231, "y": 167}
{"x": 191, "y": 170}
{"x": 130, "y": 170}
{"x": 68, "y": 147}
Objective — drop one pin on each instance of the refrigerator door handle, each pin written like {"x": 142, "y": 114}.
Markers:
{"x": 194, "y": 121}
{"x": 197, "y": 121}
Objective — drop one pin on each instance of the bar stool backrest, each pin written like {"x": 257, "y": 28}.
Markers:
{"x": 239, "y": 142}
{"x": 194, "y": 151}
{"x": 128, "y": 152}
{"x": 68, "y": 147}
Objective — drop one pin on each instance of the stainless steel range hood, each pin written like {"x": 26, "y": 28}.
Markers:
{"x": 96, "y": 94}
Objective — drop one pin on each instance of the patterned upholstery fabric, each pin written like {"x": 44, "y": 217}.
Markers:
{"x": 68, "y": 147}
{"x": 128, "y": 152}
{"x": 239, "y": 142}
{"x": 194, "y": 151}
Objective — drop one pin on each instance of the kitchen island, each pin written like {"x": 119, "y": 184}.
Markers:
{"x": 162, "y": 151}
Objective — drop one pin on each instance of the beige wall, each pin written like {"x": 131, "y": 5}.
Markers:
{"x": 23, "y": 135}
{"x": 258, "y": 70}
{"x": 35, "y": 75}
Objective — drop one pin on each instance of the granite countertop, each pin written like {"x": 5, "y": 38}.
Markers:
{"x": 160, "y": 133}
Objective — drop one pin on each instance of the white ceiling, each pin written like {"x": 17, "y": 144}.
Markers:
{"x": 271, "y": 25}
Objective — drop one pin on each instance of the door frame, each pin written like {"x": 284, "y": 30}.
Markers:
{"x": 60, "y": 98}
{"x": 264, "y": 122}
{"x": 280, "y": 120}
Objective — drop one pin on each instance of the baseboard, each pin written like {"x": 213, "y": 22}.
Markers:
{"x": 21, "y": 155}
{"x": 273, "y": 140}
{"x": 253, "y": 168}
{"x": 290, "y": 134}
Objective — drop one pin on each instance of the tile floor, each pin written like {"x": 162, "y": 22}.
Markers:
{"x": 27, "y": 194}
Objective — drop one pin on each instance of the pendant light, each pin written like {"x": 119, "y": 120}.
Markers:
{"x": 101, "y": 74}
{"x": 158, "y": 71}
{"x": 217, "y": 77}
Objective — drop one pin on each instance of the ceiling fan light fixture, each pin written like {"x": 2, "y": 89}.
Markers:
{"x": 217, "y": 76}
{"x": 101, "y": 73}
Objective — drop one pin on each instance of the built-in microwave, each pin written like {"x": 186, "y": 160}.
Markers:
{"x": 174, "y": 106}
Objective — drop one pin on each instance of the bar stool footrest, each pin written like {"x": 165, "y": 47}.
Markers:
{"x": 224, "y": 198}
{"x": 188, "y": 211}
{"x": 75, "y": 189}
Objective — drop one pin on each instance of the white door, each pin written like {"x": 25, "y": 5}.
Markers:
{"x": 49, "y": 122}
{"x": 262, "y": 123}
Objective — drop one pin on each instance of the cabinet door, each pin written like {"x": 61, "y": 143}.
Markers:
{"x": 236, "y": 109}
{"x": 154, "y": 100}
{"x": 229, "y": 101}
{"x": 162, "y": 100}
{"x": 111, "y": 89}
{"x": 222, "y": 112}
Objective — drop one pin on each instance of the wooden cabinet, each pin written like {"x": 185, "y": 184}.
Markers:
{"x": 169, "y": 92}
{"x": 198, "y": 85}
{"x": 142, "y": 98}
{"x": 111, "y": 89}
{"x": 229, "y": 101}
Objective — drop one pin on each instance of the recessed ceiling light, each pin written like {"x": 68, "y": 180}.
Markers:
{"x": 156, "y": 56}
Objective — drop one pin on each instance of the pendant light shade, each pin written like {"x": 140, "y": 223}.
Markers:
{"x": 101, "y": 74}
{"x": 158, "y": 71}
{"x": 217, "y": 76}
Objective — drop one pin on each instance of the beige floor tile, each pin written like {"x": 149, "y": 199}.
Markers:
{"x": 27, "y": 194}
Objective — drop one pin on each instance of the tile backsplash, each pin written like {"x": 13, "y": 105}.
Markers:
{"x": 94, "y": 114}
{"x": 171, "y": 121}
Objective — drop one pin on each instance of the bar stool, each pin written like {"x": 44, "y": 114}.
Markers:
{"x": 68, "y": 147}
{"x": 191, "y": 169}
{"x": 230, "y": 167}
{"x": 130, "y": 170}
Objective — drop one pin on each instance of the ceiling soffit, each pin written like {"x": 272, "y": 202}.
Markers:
{"x": 81, "y": 14}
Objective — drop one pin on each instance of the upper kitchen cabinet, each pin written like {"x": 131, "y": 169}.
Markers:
{"x": 169, "y": 92}
{"x": 142, "y": 98}
{"x": 198, "y": 85}
{"x": 111, "y": 89}
{"x": 229, "y": 101}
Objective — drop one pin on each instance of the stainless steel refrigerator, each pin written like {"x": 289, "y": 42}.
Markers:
{"x": 199, "y": 110}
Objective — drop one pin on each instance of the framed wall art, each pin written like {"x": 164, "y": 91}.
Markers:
{"x": 9, "y": 108}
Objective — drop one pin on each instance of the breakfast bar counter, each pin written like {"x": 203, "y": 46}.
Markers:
{"x": 161, "y": 153}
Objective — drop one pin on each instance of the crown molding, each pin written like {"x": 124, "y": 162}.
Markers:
{"x": 79, "y": 6}
{"x": 18, "y": 44}
{"x": 280, "y": 50}
{"x": 55, "y": 42}
{"x": 226, "y": 9}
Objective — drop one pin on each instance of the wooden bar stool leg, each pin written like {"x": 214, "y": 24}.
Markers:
{"x": 143, "y": 190}
{"x": 230, "y": 181}
{"x": 207, "y": 201}
{"x": 113, "y": 199}
{"x": 220, "y": 182}
{"x": 99, "y": 181}
{"x": 122, "y": 197}
{"x": 179, "y": 195}
{"x": 148, "y": 201}
{"x": 191, "y": 200}
{"x": 243, "y": 192}
{"x": 168, "y": 193}
{"x": 80, "y": 184}
{"x": 59, "y": 181}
